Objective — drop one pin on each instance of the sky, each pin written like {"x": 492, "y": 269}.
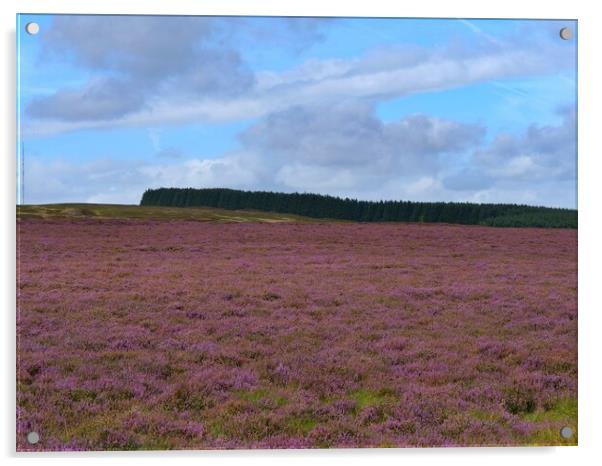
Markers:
{"x": 403, "y": 109}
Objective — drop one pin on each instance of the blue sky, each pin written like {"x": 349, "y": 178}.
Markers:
{"x": 419, "y": 109}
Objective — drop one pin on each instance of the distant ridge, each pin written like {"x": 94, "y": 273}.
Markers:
{"x": 320, "y": 206}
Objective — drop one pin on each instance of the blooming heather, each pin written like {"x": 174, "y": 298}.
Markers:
{"x": 140, "y": 334}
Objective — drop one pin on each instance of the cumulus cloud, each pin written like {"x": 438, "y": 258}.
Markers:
{"x": 468, "y": 179}
{"x": 109, "y": 180}
{"x": 63, "y": 180}
{"x": 525, "y": 167}
{"x": 344, "y": 150}
{"x": 349, "y": 135}
{"x": 103, "y": 99}
{"x": 137, "y": 59}
{"x": 341, "y": 149}
{"x": 189, "y": 69}
{"x": 541, "y": 153}
{"x": 148, "y": 46}
{"x": 315, "y": 126}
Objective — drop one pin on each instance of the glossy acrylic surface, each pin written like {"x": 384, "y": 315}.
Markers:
{"x": 436, "y": 306}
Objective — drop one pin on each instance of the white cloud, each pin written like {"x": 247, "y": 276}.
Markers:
{"x": 316, "y": 128}
{"x": 380, "y": 74}
{"x": 315, "y": 179}
{"x": 542, "y": 152}
{"x": 344, "y": 151}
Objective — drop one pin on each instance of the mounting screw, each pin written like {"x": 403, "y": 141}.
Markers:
{"x": 566, "y": 432}
{"x": 32, "y": 28}
{"x": 33, "y": 438}
{"x": 566, "y": 34}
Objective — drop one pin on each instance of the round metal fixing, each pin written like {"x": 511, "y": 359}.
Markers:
{"x": 32, "y": 28}
{"x": 33, "y": 438}
{"x": 566, "y": 432}
{"x": 566, "y": 34}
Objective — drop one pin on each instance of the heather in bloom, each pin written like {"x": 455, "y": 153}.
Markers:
{"x": 164, "y": 334}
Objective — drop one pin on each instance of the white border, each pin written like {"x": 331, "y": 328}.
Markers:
{"x": 590, "y": 258}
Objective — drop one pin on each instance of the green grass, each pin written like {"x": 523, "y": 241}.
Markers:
{"x": 489, "y": 416}
{"x": 563, "y": 410}
{"x": 216, "y": 427}
{"x": 118, "y": 211}
{"x": 262, "y": 397}
{"x": 549, "y": 422}
{"x": 365, "y": 398}
{"x": 300, "y": 425}
{"x": 92, "y": 427}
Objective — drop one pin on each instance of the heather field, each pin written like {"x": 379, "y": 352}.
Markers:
{"x": 202, "y": 333}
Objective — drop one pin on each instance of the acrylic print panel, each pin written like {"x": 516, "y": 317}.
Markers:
{"x": 262, "y": 232}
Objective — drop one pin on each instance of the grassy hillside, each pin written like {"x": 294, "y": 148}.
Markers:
{"x": 112, "y": 211}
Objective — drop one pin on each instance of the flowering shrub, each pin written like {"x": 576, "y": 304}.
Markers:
{"x": 137, "y": 334}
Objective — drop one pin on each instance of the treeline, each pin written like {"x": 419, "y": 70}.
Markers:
{"x": 319, "y": 206}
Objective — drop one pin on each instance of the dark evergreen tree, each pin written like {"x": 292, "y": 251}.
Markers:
{"x": 319, "y": 206}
